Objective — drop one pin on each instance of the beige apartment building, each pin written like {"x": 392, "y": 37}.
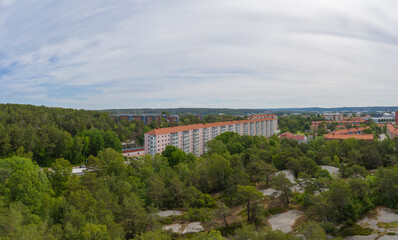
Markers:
{"x": 192, "y": 138}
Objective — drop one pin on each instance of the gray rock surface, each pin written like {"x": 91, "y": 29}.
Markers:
{"x": 169, "y": 213}
{"x": 333, "y": 171}
{"x": 176, "y": 228}
{"x": 193, "y": 227}
{"x": 386, "y": 215}
{"x": 388, "y": 237}
{"x": 284, "y": 221}
{"x": 369, "y": 237}
{"x": 269, "y": 191}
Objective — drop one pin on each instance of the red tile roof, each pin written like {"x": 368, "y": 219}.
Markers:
{"x": 391, "y": 128}
{"x": 292, "y": 136}
{"x": 352, "y": 130}
{"x": 341, "y": 122}
{"x": 332, "y": 136}
{"x": 261, "y": 116}
{"x": 160, "y": 131}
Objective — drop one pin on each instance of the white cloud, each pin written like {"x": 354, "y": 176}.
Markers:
{"x": 118, "y": 54}
{"x": 5, "y": 3}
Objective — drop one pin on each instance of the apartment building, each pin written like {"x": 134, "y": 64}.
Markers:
{"x": 192, "y": 138}
{"x": 315, "y": 125}
{"x": 392, "y": 131}
{"x": 396, "y": 118}
{"x": 358, "y": 130}
{"x": 336, "y": 117}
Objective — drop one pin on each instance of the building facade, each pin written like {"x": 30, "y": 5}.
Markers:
{"x": 396, "y": 118}
{"x": 297, "y": 138}
{"x": 333, "y": 136}
{"x": 392, "y": 131}
{"x": 193, "y": 138}
{"x": 336, "y": 117}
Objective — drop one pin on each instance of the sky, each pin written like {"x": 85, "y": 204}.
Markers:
{"x": 97, "y": 54}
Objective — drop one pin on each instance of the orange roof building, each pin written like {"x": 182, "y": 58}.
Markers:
{"x": 297, "y": 138}
{"x": 392, "y": 131}
{"x": 192, "y": 138}
{"x": 332, "y": 136}
{"x": 358, "y": 130}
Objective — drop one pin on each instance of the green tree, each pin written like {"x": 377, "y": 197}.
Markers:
{"x": 93, "y": 232}
{"x": 156, "y": 235}
{"x": 25, "y": 182}
{"x": 283, "y": 184}
{"x": 251, "y": 197}
{"x": 223, "y": 211}
{"x": 60, "y": 175}
{"x": 312, "y": 231}
{"x": 211, "y": 235}
{"x": 339, "y": 195}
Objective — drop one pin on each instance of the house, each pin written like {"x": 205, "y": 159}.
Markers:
{"x": 297, "y": 138}
{"x": 392, "y": 131}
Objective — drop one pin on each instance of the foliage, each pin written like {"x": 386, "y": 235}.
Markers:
{"x": 354, "y": 229}
{"x": 118, "y": 199}
{"x": 51, "y": 133}
{"x": 312, "y": 231}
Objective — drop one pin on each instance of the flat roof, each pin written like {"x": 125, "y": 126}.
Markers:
{"x": 160, "y": 131}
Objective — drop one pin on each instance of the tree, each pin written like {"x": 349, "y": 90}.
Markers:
{"x": 223, "y": 211}
{"x": 282, "y": 183}
{"x": 24, "y": 182}
{"x": 386, "y": 186}
{"x": 218, "y": 171}
{"x": 312, "y": 231}
{"x": 60, "y": 175}
{"x": 258, "y": 170}
{"x": 251, "y": 197}
{"x": 216, "y": 146}
{"x": 93, "y": 231}
{"x": 156, "y": 190}
{"x": 111, "y": 140}
{"x": 339, "y": 195}
{"x": 308, "y": 165}
{"x": 113, "y": 161}
{"x": 174, "y": 155}
{"x": 135, "y": 218}
{"x": 96, "y": 141}
{"x": 156, "y": 235}
{"x": 211, "y": 235}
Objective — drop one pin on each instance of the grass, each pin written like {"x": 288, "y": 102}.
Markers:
{"x": 230, "y": 230}
{"x": 354, "y": 229}
{"x": 277, "y": 210}
{"x": 388, "y": 225}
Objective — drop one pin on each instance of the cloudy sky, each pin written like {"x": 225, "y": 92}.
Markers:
{"x": 98, "y": 54}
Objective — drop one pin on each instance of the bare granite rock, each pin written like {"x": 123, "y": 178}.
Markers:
{"x": 169, "y": 213}
{"x": 284, "y": 221}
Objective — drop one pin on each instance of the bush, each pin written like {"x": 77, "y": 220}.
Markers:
{"x": 354, "y": 229}
{"x": 199, "y": 214}
{"x": 277, "y": 210}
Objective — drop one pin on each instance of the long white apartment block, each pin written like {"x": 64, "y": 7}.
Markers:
{"x": 192, "y": 138}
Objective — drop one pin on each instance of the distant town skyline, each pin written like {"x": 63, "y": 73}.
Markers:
{"x": 210, "y": 53}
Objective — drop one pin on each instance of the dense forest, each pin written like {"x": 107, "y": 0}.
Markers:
{"x": 46, "y": 134}
{"x": 119, "y": 199}
{"x": 296, "y": 123}
{"x": 116, "y": 199}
